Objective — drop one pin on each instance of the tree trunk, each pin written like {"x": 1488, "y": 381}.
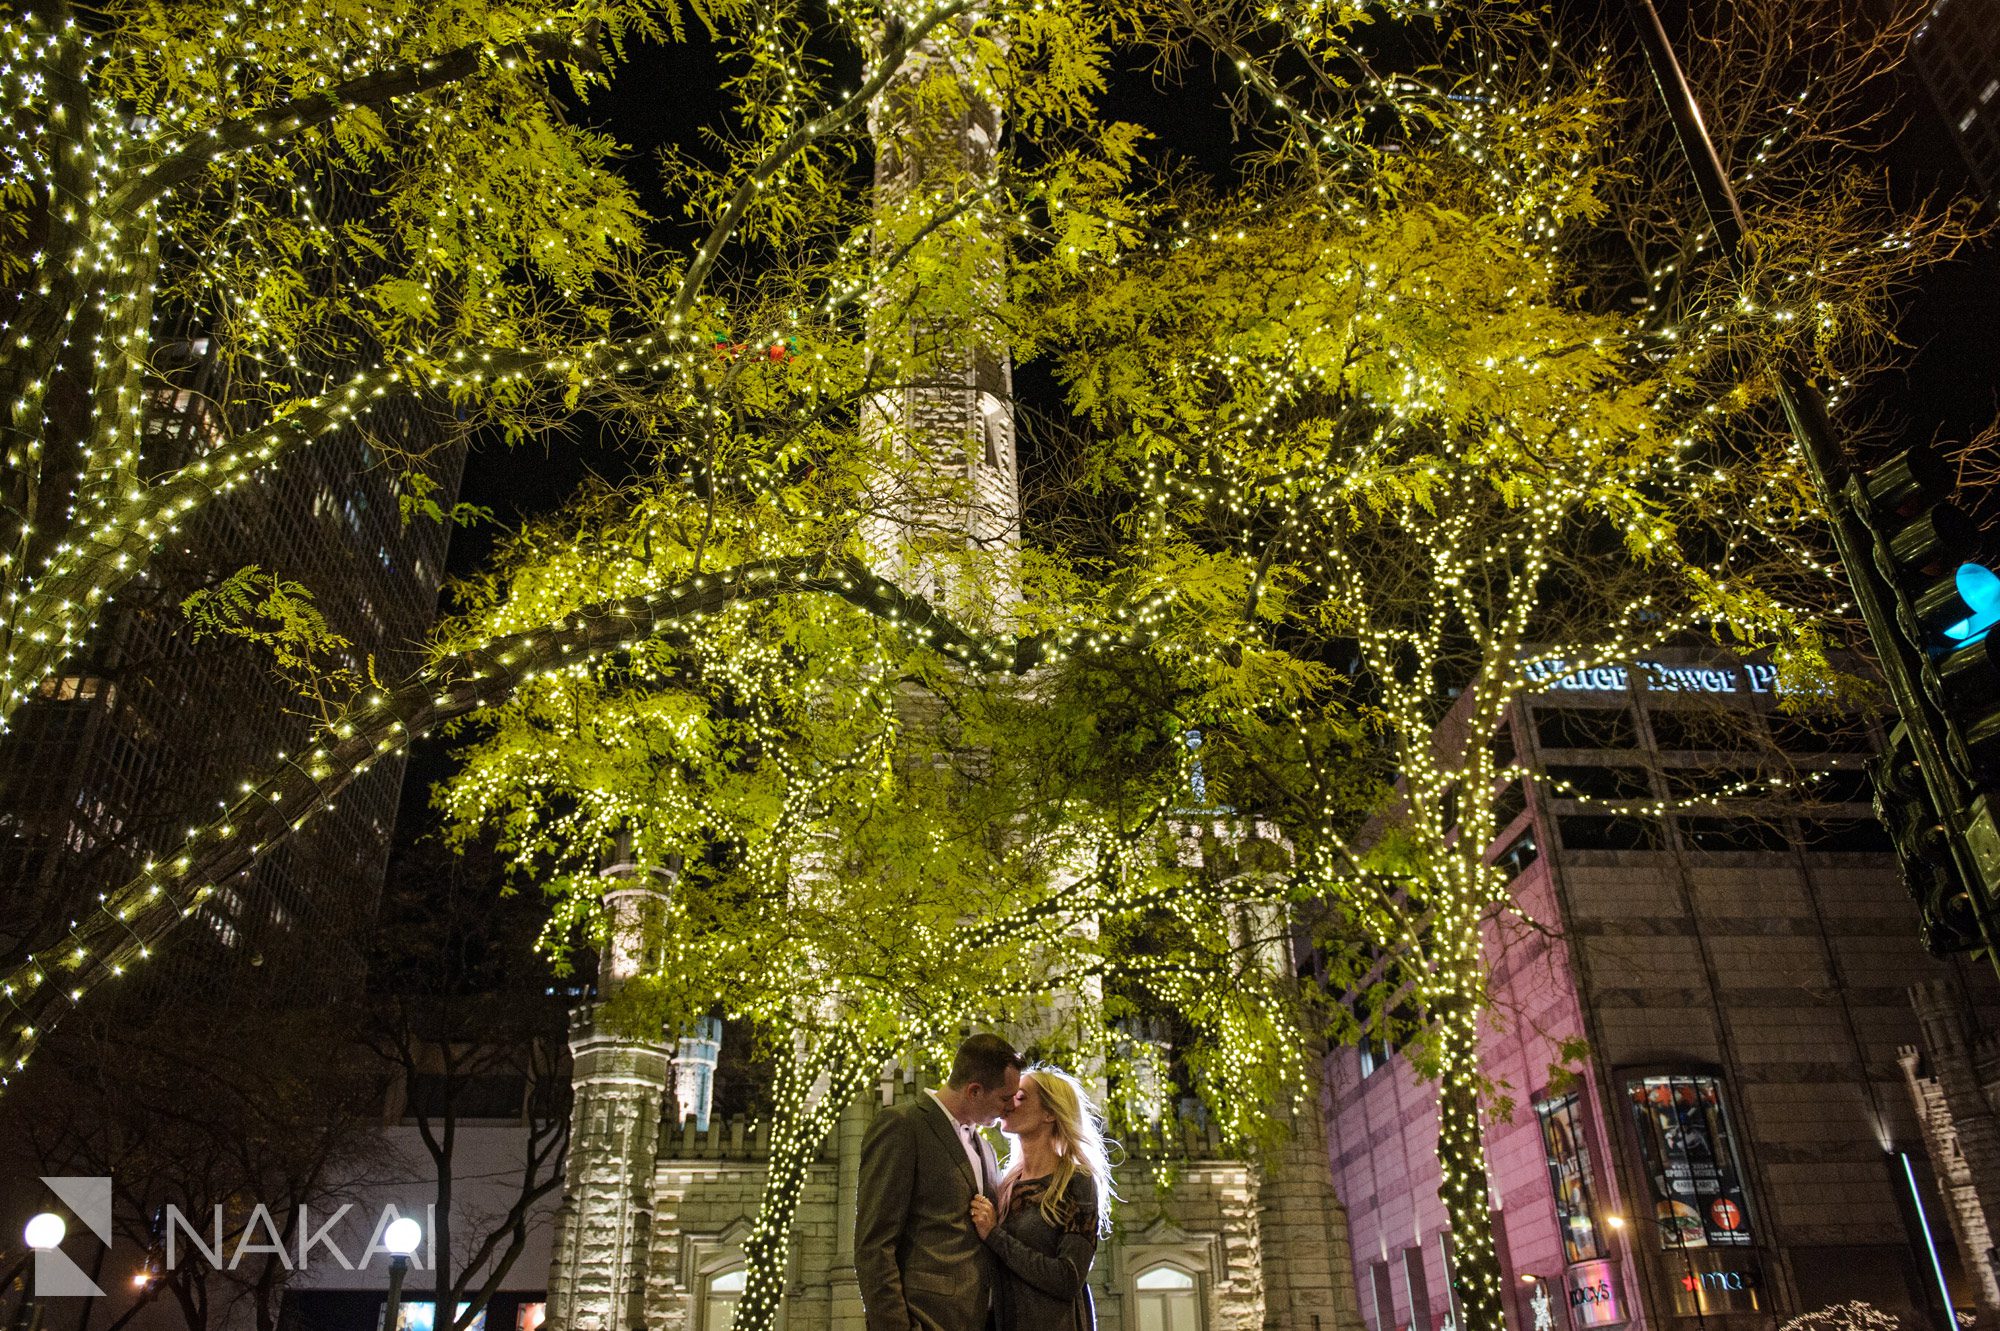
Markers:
{"x": 813, "y": 1087}
{"x": 1476, "y": 1278}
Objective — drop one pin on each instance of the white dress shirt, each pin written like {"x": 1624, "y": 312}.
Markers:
{"x": 968, "y": 1137}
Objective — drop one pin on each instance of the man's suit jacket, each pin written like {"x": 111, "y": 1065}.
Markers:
{"x": 920, "y": 1263}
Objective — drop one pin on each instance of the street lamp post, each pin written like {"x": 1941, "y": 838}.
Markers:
{"x": 44, "y": 1231}
{"x": 402, "y": 1238}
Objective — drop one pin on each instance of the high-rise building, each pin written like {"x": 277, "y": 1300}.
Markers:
{"x": 1738, "y": 1143}
{"x": 149, "y": 729}
{"x": 1957, "y": 53}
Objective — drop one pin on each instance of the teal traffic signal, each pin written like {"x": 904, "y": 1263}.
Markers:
{"x": 1921, "y": 539}
{"x": 1979, "y": 587}
{"x": 1944, "y": 603}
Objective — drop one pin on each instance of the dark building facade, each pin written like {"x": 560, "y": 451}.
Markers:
{"x": 1957, "y": 53}
{"x": 1739, "y": 1146}
{"x": 149, "y": 730}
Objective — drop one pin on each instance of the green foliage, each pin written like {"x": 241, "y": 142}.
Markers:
{"x": 280, "y": 617}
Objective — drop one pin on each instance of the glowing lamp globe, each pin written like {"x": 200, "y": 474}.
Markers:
{"x": 403, "y": 1236}
{"x": 45, "y": 1231}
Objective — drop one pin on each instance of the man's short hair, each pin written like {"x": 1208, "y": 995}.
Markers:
{"x": 984, "y": 1058}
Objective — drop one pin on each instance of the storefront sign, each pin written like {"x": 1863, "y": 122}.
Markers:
{"x": 1656, "y": 676}
{"x": 1593, "y": 1295}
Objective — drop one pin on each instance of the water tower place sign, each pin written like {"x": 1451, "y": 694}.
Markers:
{"x": 1555, "y": 674}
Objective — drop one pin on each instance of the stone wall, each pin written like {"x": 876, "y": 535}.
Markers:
{"x": 1221, "y": 1220}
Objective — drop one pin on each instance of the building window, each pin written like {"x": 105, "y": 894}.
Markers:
{"x": 1564, "y": 782}
{"x": 1710, "y": 784}
{"x": 1520, "y": 853}
{"x": 1814, "y": 734}
{"x": 1167, "y": 1299}
{"x": 1731, "y": 834}
{"x": 1585, "y": 728}
{"x": 718, "y": 1300}
{"x": 1701, "y": 728}
{"x": 1385, "y": 1299}
{"x": 1419, "y": 1289}
{"x": 1569, "y": 1176}
{"x": 1850, "y": 835}
{"x": 1698, "y": 1199}
{"x": 1594, "y": 832}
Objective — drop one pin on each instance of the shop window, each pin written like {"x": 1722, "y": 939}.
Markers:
{"x": 1605, "y": 783}
{"x": 1700, "y": 1211}
{"x": 1167, "y": 1299}
{"x": 1600, "y": 832}
{"x": 1845, "y": 835}
{"x": 1520, "y": 853}
{"x": 719, "y": 1296}
{"x": 1585, "y": 728}
{"x": 1448, "y": 1260}
{"x": 1731, "y": 834}
{"x": 1568, "y": 1153}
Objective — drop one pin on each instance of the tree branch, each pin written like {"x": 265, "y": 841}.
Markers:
{"x": 286, "y": 119}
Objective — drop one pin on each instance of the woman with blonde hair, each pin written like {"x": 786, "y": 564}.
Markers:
{"x": 1055, "y": 1204}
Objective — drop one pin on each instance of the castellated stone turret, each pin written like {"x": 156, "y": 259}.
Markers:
{"x": 604, "y": 1226}
{"x": 944, "y": 416}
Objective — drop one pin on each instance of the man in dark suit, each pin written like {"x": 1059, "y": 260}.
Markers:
{"x": 919, "y": 1260}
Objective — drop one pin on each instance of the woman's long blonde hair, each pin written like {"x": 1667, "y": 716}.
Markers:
{"x": 1079, "y": 1145}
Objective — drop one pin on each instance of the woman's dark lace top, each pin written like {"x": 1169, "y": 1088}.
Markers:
{"x": 1075, "y": 1219}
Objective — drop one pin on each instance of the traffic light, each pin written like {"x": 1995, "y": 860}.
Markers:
{"x": 1946, "y": 750}
{"x": 1923, "y": 849}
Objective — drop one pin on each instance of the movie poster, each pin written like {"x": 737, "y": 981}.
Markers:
{"x": 1569, "y": 1177}
{"x": 1683, "y": 1125}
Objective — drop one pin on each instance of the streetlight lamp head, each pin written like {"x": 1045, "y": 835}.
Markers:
{"x": 1615, "y": 1221}
{"x": 403, "y": 1236}
{"x": 45, "y": 1231}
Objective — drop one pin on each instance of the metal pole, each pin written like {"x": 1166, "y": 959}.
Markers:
{"x": 399, "y": 1265}
{"x": 1839, "y": 491}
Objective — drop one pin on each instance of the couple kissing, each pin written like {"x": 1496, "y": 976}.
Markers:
{"x": 945, "y": 1240}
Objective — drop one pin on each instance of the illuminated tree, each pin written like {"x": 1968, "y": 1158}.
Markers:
{"x": 1377, "y": 422}
{"x": 1419, "y": 436}
{"x": 565, "y": 325}
{"x": 867, "y": 848}
{"x": 382, "y": 204}
{"x": 337, "y": 207}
